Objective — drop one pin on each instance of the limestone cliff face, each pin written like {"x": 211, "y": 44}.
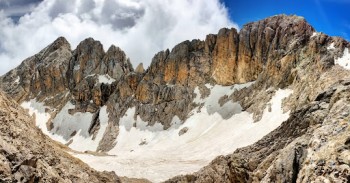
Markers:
{"x": 277, "y": 52}
{"x": 27, "y": 155}
{"x": 231, "y": 57}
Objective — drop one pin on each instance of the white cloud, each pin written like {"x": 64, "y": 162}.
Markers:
{"x": 140, "y": 27}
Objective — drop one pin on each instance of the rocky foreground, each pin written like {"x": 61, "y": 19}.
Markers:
{"x": 27, "y": 155}
{"x": 280, "y": 52}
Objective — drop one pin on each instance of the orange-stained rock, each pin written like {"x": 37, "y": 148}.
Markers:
{"x": 225, "y": 57}
{"x": 144, "y": 92}
{"x": 170, "y": 71}
{"x": 182, "y": 74}
{"x": 139, "y": 69}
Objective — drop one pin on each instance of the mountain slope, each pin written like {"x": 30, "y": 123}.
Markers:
{"x": 27, "y": 155}
{"x": 200, "y": 100}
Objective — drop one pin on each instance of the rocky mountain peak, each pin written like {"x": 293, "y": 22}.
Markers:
{"x": 116, "y": 63}
{"x": 140, "y": 69}
{"x": 59, "y": 44}
{"x": 86, "y": 58}
{"x": 91, "y": 46}
{"x": 56, "y": 53}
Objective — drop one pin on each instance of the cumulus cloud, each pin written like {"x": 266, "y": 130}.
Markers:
{"x": 140, "y": 27}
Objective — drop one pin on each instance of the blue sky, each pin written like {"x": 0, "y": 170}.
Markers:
{"x": 331, "y": 17}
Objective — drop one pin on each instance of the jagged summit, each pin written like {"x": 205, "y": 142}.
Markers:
{"x": 276, "y": 78}
{"x": 139, "y": 68}
{"x": 60, "y": 42}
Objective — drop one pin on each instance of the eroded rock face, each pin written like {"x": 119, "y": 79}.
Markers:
{"x": 27, "y": 155}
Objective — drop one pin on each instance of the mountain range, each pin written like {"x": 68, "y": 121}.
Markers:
{"x": 267, "y": 103}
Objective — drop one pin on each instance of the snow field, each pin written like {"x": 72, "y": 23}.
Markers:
{"x": 155, "y": 154}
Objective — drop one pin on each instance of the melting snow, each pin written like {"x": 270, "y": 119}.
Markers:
{"x": 155, "y": 154}
{"x": 106, "y": 79}
{"x": 41, "y": 117}
{"x": 83, "y": 143}
{"x": 65, "y": 124}
{"x": 344, "y": 61}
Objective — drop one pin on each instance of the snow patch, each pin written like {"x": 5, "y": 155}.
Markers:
{"x": 65, "y": 124}
{"x": 344, "y": 61}
{"x": 314, "y": 34}
{"x": 76, "y": 67}
{"x": 211, "y": 103}
{"x": 83, "y": 143}
{"x": 164, "y": 154}
{"x": 106, "y": 79}
{"x": 331, "y": 47}
{"x": 17, "y": 80}
{"x": 41, "y": 117}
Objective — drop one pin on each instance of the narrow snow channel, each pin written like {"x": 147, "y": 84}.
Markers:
{"x": 155, "y": 154}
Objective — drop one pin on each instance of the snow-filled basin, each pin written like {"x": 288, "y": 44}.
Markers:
{"x": 157, "y": 155}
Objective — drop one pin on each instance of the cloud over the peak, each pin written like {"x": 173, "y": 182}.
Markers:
{"x": 140, "y": 27}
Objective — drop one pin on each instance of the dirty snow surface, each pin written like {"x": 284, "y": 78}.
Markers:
{"x": 156, "y": 154}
